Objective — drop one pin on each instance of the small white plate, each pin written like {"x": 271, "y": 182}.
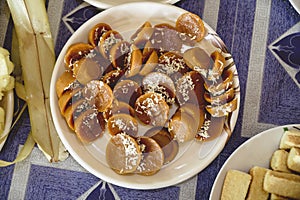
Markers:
{"x": 7, "y": 103}
{"x": 256, "y": 151}
{"x": 192, "y": 157}
{"x": 104, "y": 4}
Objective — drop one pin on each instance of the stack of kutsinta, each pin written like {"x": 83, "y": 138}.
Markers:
{"x": 146, "y": 91}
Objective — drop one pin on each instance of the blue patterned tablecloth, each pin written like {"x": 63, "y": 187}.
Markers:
{"x": 264, "y": 39}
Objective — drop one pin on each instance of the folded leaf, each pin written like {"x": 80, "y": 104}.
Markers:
{"x": 37, "y": 57}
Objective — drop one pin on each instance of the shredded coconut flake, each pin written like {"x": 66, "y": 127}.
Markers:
{"x": 131, "y": 152}
{"x": 109, "y": 42}
{"x": 203, "y": 132}
{"x": 92, "y": 54}
{"x": 186, "y": 86}
{"x": 171, "y": 64}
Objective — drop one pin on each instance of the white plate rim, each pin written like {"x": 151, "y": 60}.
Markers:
{"x": 121, "y": 181}
{"x": 296, "y": 5}
{"x": 218, "y": 183}
{"x": 104, "y": 4}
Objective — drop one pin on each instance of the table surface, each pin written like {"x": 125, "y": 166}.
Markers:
{"x": 264, "y": 38}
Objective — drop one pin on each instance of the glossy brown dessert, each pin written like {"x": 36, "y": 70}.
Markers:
{"x": 149, "y": 93}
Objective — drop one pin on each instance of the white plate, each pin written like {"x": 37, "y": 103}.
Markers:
{"x": 256, "y": 151}
{"x": 7, "y": 103}
{"x": 109, "y": 3}
{"x": 193, "y": 156}
{"x": 296, "y": 5}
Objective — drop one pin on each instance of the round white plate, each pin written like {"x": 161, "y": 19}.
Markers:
{"x": 257, "y": 151}
{"x": 104, "y": 4}
{"x": 192, "y": 157}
